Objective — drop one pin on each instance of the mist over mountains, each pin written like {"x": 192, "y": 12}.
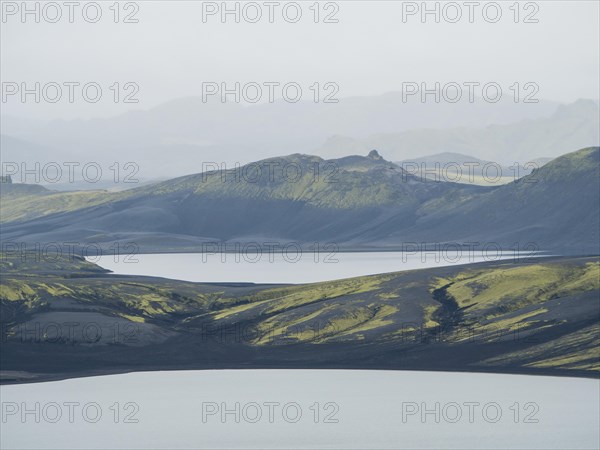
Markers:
{"x": 177, "y": 137}
{"x": 570, "y": 126}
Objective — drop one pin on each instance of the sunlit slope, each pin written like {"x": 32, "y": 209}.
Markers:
{"x": 297, "y": 197}
{"x": 21, "y": 202}
{"x": 353, "y": 201}
{"x": 505, "y": 316}
{"x": 345, "y": 183}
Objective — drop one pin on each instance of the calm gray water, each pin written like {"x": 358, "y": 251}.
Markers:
{"x": 337, "y": 409}
{"x": 290, "y": 267}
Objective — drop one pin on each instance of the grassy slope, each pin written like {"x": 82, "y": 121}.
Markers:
{"x": 555, "y": 207}
{"x": 347, "y": 183}
{"x": 503, "y": 316}
{"x": 20, "y": 202}
{"x": 351, "y": 182}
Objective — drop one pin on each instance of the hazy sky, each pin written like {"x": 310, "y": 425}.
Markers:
{"x": 171, "y": 51}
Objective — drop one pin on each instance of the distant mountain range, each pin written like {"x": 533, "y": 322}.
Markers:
{"x": 459, "y": 168}
{"x": 448, "y": 158}
{"x": 576, "y": 125}
{"x": 356, "y": 202}
{"x": 177, "y": 137}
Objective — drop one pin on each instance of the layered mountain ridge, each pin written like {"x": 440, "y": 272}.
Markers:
{"x": 353, "y": 201}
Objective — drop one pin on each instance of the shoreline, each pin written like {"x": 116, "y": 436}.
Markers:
{"x": 23, "y": 363}
{"x": 45, "y": 378}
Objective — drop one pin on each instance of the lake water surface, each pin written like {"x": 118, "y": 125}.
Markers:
{"x": 337, "y": 409}
{"x": 290, "y": 267}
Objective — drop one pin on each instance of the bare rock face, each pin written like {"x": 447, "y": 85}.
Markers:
{"x": 374, "y": 154}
